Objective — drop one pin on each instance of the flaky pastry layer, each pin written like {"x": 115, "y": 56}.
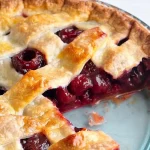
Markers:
{"x": 47, "y": 14}
{"x": 31, "y": 21}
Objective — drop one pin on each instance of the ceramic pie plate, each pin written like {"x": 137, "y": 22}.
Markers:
{"x": 128, "y": 122}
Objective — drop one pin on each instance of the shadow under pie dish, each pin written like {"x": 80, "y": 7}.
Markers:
{"x": 73, "y": 52}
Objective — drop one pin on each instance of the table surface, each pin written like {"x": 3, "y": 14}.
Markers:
{"x": 139, "y": 8}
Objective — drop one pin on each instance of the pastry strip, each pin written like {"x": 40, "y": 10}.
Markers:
{"x": 86, "y": 140}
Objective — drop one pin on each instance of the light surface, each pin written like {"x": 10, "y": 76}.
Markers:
{"x": 128, "y": 123}
{"x": 139, "y": 8}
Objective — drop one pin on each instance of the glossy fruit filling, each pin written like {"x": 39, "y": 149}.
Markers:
{"x": 67, "y": 35}
{"x": 94, "y": 84}
{"x": 29, "y": 59}
{"x": 36, "y": 142}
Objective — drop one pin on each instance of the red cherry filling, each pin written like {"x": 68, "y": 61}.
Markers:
{"x": 89, "y": 68}
{"x": 136, "y": 77}
{"x": 36, "y": 142}
{"x": 146, "y": 63}
{"x": 137, "y": 74}
{"x": 101, "y": 84}
{"x": 80, "y": 84}
{"x": 2, "y": 90}
{"x": 78, "y": 129}
{"x": 86, "y": 98}
{"x": 67, "y": 35}
{"x": 29, "y": 59}
{"x": 94, "y": 84}
{"x": 63, "y": 96}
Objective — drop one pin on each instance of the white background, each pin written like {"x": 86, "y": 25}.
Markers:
{"x": 139, "y": 8}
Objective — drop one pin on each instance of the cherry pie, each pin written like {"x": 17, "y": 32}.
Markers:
{"x": 58, "y": 55}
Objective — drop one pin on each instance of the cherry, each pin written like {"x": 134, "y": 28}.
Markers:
{"x": 86, "y": 98}
{"x": 101, "y": 84}
{"x": 2, "y": 90}
{"x": 90, "y": 68}
{"x": 147, "y": 79}
{"x": 67, "y": 35}
{"x": 146, "y": 62}
{"x": 137, "y": 74}
{"x": 116, "y": 88}
{"x": 36, "y": 142}
{"x": 80, "y": 84}
{"x": 69, "y": 106}
{"x": 94, "y": 83}
{"x": 133, "y": 78}
{"x": 126, "y": 81}
{"x": 63, "y": 96}
{"x": 29, "y": 59}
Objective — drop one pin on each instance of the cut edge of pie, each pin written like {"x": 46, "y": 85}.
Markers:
{"x": 30, "y": 21}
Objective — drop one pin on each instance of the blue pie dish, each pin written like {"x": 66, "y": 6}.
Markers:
{"x": 128, "y": 122}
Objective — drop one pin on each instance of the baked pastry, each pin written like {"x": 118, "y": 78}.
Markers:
{"x": 74, "y": 52}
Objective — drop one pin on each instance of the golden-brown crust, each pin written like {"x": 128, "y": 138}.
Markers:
{"x": 86, "y": 140}
{"x": 54, "y": 75}
{"x": 141, "y": 36}
{"x": 15, "y": 145}
{"x": 52, "y": 5}
{"x": 118, "y": 24}
{"x": 120, "y": 21}
{"x": 11, "y": 7}
{"x": 81, "y": 6}
{"x": 55, "y": 126}
{"x": 17, "y": 94}
{"x": 101, "y": 13}
{"x": 15, "y": 127}
{"x": 40, "y": 116}
{"x": 82, "y": 48}
{"x": 33, "y": 83}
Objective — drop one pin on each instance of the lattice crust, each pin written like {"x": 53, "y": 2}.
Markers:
{"x": 116, "y": 24}
{"x": 32, "y": 23}
{"x": 42, "y": 115}
{"x": 39, "y": 116}
{"x": 30, "y": 30}
{"x": 59, "y": 73}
